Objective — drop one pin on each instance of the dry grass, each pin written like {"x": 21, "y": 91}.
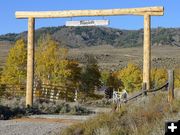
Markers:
{"x": 115, "y": 58}
{"x": 137, "y": 118}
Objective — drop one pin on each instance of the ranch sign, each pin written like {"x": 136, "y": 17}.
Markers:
{"x": 87, "y": 23}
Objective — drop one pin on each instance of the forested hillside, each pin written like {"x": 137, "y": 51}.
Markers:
{"x": 75, "y": 37}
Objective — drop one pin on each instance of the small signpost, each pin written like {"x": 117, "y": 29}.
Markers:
{"x": 88, "y": 23}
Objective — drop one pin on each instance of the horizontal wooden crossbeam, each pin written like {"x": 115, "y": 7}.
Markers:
{"x": 155, "y": 11}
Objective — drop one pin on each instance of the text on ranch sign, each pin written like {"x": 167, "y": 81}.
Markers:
{"x": 87, "y": 23}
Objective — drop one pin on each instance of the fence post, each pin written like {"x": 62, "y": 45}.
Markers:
{"x": 144, "y": 89}
{"x": 75, "y": 95}
{"x": 170, "y": 85}
{"x": 66, "y": 92}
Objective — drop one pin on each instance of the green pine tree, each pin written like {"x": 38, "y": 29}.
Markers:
{"x": 91, "y": 75}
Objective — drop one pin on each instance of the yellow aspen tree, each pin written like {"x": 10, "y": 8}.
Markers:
{"x": 14, "y": 71}
{"x": 131, "y": 77}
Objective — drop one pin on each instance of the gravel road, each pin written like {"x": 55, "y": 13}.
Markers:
{"x": 12, "y": 127}
{"x": 38, "y": 125}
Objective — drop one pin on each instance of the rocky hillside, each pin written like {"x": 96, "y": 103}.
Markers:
{"x": 77, "y": 37}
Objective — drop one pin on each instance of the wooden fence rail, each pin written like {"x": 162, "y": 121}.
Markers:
{"x": 54, "y": 92}
{"x": 147, "y": 91}
{"x": 169, "y": 86}
{"x": 46, "y": 92}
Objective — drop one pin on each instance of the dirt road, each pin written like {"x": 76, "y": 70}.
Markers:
{"x": 39, "y": 125}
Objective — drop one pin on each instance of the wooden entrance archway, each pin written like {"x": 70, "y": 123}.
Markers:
{"x": 147, "y": 12}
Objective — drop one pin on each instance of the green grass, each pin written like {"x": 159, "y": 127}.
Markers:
{"x": 135, "y": 118}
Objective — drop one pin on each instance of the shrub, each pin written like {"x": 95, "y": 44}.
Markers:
{"x": 79, "y": 110}
{"x": 99, "y": 103}
{"x": 5, "y": 113}
{"x": 16, "y": 108}
{"x": 65, "y": 109}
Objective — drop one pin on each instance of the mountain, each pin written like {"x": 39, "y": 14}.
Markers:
{"x": 77, "y": 37}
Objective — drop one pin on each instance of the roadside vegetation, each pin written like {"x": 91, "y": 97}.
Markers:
{"x": 15, "y": 108}
{"x": 145, "y": 116}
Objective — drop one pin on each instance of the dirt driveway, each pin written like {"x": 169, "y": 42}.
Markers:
{"x": 39, "y": 125}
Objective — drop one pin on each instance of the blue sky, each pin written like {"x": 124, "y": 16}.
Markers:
{"x": 9, "y": 24}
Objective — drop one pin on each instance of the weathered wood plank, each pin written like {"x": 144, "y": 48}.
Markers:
{"x": 75, "y": 13}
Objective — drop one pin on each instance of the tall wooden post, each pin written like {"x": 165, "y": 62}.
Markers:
{"x": 147, "y": 51}
{"x": 30, "y": 62}
{"x": 170, "y": 85}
